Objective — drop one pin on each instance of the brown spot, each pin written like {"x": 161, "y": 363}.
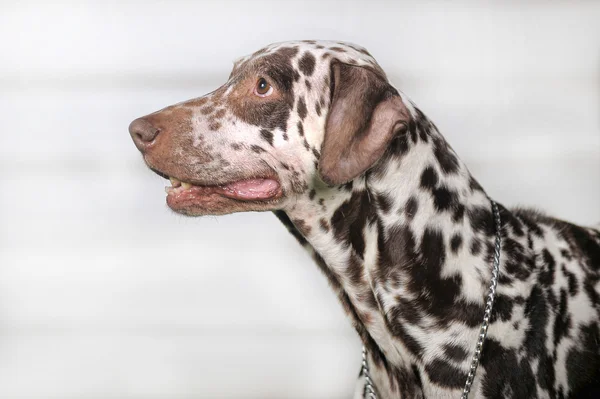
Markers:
{"x": 217, "y": 97}
{"x": 220, "y": 113}
{"x": 236, "y": 146}
{"x": 456, "y": 242}
{"x": 324, "y": 225}
{"x": 257, "y": 149}
{"x": 267, "y": 135}
{"x": 316, "y": 152}
{"x": 302, "y": 227}
{"x": 318, "y": 109}
{"x": 475, "y": 247}
{"x": 285, "y": 136}
{"x": 300, "y": 129}
{"x": 214, "y": 126}
{"x": 338, "y": 49}
{"x": 306, "y": 145}
{"x": 384, "y": 202}
{"x": 355, "y": 270}
{"x": 308, "y": 85}
{"x": 207, "y": 110}
{"x": 365, "y": 52}
{"x": 288, "y": 52}
{"x": 307, "y": 64}
{"x": 412, "y": 206}
{"x": 320, "y": 47}
{"x": 325, "y": 55}
{"x": 455, "y": 352}
{"x": 301, "y": 108}
{"x": 312, "y": 194}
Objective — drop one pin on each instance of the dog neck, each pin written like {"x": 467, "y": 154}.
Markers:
{"x": 406, "y": 247}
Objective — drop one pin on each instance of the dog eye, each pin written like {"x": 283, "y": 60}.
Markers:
{"x": 263, "y": 88}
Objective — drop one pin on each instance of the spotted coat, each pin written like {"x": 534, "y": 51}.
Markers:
{"x": 394, "y": 220}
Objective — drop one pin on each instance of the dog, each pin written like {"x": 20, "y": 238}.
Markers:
{"x": 313, "y": 131}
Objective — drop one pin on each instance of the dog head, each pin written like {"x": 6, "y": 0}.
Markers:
{"x": 291, "y": 117}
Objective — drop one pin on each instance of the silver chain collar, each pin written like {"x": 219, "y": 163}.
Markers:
{"x": 489, "y": 304}
{"x": 369, "y": 385}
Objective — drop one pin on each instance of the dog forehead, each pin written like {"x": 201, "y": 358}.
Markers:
{"x": 308, "y": 53}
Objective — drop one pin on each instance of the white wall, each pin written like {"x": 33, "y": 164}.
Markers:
{"x": 104, "y": 293}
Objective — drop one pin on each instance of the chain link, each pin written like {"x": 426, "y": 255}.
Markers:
{"x": 488, "y": 305}
{"x": 370, "y": 386}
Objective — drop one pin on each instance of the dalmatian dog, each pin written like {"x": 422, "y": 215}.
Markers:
{"x": 314, "y": 132}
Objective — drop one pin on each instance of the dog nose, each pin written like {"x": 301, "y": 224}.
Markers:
{"x": 143, "y": 133}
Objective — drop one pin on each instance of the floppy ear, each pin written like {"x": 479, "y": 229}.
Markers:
{"x": 365, "y": 114}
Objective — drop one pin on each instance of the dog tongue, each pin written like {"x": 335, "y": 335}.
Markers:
{"x": 252, "y": 189}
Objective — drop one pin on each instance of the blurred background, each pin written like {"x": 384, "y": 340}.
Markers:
{"x": 105, "y": 293}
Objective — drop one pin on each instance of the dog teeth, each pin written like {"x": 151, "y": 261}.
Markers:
{"x": 177, "y": 185}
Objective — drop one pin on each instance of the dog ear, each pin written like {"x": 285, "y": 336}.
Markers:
{"x": 365, "y": 114}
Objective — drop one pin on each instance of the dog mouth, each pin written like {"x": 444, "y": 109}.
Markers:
{"x": 246, "y": 194}
{"x": 256, "y": 189}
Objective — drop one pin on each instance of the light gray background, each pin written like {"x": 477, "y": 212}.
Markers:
{"x": 104, "y": 293}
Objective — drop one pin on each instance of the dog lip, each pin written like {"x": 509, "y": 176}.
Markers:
{"x": 252, "y": 188}
{"x": 182, "y": 195}
{"x": 257, "y": 190}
